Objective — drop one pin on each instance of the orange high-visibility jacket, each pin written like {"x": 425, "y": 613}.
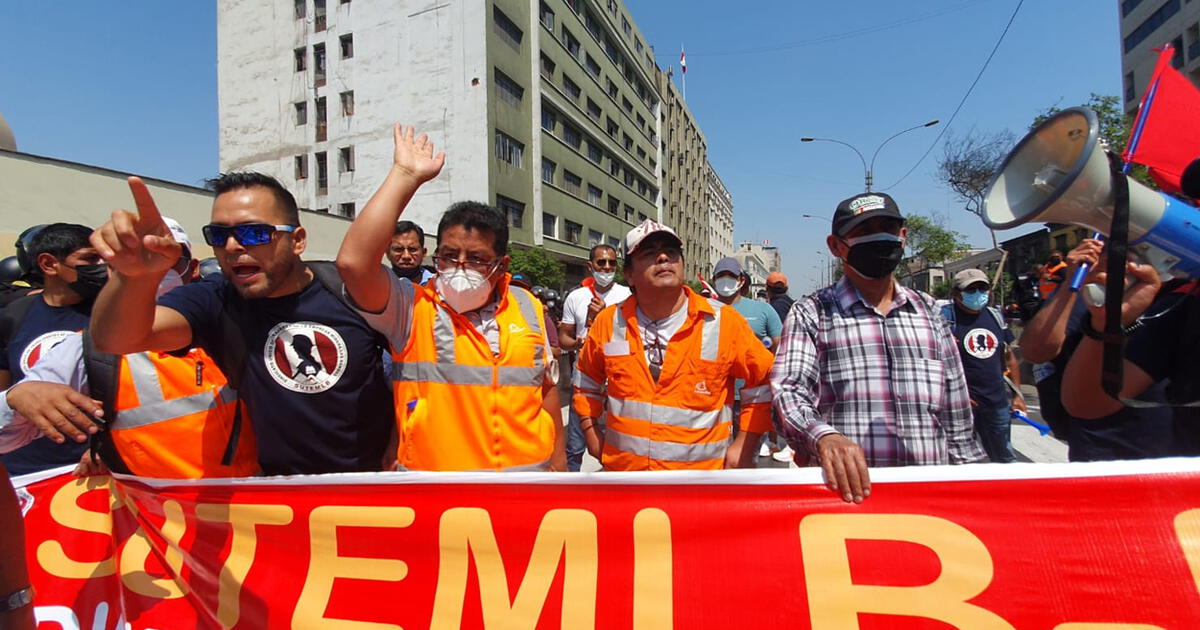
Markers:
{"x": 458, "y": 406}
{"x": 1048, "y": 283}
{"x": 685, "y": 419}
{"x": 174, "y": 418}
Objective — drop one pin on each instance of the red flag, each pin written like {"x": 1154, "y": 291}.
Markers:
{"x": 682, "y": 60}
{"x": 1166, "y": 132}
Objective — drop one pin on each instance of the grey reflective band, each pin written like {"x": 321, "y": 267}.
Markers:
{"x": 525, "y": 304}
{"x": 710, "y": 335}
{"x": 145, "y": 378}
{"x": 665, "y": 451}
{"x": 443, "y": 335}
{"x": 454, "y": 374}
{"x": 618, "y": 330}
{"x": 760, "y": 394}
{"x": 585, "y": 383}
{"x": 162, "y": 411}
{"x": 671, "y": 416}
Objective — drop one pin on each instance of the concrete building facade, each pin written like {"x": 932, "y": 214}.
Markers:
{"x": 685, "y": 178}
{"x": 548, "y": 110}
{"x": 1148, "y": 24}
{"x": 720, "y": 219}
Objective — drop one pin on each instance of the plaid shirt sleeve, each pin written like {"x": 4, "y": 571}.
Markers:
{"x": 795, "y": 379}
{"x": 955, "y": 417}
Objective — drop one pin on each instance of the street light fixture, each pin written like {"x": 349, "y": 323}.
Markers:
{"x": 868, "y": 169}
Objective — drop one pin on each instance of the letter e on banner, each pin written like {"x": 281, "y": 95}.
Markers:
{"x": 835, "y": 601}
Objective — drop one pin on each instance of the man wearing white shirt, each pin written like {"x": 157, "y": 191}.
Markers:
{"x": 580, "y": 307}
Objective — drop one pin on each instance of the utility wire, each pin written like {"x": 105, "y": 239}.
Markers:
{"x": 979, "y": 76}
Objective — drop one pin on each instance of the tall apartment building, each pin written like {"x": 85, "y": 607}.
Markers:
{"x": 1148, "y": 24}
{"x": 720, "y": 218}
{"x": 685, "y": 178}
{"x": 548, "y": 110}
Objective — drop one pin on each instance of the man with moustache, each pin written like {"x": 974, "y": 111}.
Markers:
{"x": 326, "y": 410}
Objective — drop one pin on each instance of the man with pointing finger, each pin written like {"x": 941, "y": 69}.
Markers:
{"x": 309, "y": 367}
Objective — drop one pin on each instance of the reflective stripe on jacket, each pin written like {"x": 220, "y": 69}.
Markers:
{"x": 458, "y": 406}
{"x": 174, "y": 418}
{"x": 1048, "y": 283}
{"x": 685, "y": 419}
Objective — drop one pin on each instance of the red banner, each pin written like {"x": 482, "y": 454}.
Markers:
{"x": 984, "y": 547}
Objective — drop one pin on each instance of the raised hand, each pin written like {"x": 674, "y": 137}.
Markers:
{"x": 1137, "y": 296}
{"x": 137, "y": 244}
{"x": 414, "y": 156}
{"x": 58, "y": 411}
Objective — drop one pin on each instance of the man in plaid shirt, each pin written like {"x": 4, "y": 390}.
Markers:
{"x": 867, "y": 373}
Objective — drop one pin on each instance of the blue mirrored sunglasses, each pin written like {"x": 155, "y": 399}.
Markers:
{"x": 245, "y": 234}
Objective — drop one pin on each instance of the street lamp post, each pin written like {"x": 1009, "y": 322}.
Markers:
{"x": 868, "y": 169}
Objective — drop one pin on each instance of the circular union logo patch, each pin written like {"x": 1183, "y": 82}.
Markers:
{"x": 305, "y": 357}
{"x": 40, "y": 346}
{"x": 981, "y": 343}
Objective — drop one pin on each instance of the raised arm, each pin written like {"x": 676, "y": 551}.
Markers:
{"x": 138, "y": 249}
{"x": 1044, "y": 335}
{"x": 366, "y": 242}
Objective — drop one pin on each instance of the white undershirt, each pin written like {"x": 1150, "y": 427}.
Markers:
{"x": 660, "y": 331}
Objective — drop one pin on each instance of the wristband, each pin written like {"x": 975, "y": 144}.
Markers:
{"x": 1089, "y": 331}
{"x": 16, "y": 599}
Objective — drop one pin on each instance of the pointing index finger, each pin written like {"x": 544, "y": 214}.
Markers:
{"x": 147, "y": 210}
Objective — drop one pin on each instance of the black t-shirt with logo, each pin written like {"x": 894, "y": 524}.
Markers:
{"x": 313, "y": 382}
{"x": 981, "y": 343}
{"x": 40, "y": 329}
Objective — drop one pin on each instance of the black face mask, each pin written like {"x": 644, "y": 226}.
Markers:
{"x": 89, "y": 279}
{"x": 413, "y": 274}
{"x": 875, "y": 259}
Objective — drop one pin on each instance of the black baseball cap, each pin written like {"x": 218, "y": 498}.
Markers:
{"x": 863, "y": 207}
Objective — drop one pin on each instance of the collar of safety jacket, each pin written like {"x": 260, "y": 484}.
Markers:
{"x": 696, "y": 304}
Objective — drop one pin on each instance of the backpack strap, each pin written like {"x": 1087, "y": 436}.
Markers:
{"x": 948, "y": 314}
{"x": 13, "y": 316}
{"x": 103, "y": 373}
{"x": 325, "y": 272}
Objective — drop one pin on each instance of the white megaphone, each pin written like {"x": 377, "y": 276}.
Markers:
{"x": 1059, "y": 173}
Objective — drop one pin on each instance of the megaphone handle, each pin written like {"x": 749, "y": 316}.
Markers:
{"x": 1082, "y": 271}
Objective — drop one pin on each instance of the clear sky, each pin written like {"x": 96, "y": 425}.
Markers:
{"x": 132, "y": 86}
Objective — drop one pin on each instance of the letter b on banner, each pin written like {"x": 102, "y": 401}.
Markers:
{"x": 835, "y": 601}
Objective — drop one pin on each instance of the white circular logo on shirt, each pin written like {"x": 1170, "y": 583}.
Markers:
{"x": 981, "y": 343}
{"x": 305, "y": 357}
{"x": 39, "y": 346}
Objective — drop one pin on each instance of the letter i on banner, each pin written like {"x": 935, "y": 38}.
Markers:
{"x": 652, "y": 571}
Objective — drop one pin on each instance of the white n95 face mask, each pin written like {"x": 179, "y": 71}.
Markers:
{"x": 463, "y": 289}
{"x": 604, "y": 278}
{"x": 725, "y": 286}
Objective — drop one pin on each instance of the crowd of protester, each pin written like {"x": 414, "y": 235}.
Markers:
{"x": 119, "y": 353}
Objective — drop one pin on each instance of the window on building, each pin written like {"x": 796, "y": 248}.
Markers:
{"x": 593, "y": 110}
{"x": 300, "y": 56}
{"x": 627, "y": 141}
{"x": 347, "y": 44}
{"x": 322, "y": 127}
{"x": 614, "y": 205}
{"x": 614, "y": 243}
{"x": 547, "y": 68}
{"x": 627, "y": 105}
{"x": 302, "y": 6}
{"x": 346, "y": 209}
{"x": 612, "y": 6}
{"x": 549, "y": 225}
{"x": 611, "y": 127}
{"x": 1128, "y": 6}
{"x": 626, "y": 27}
{"x": 1130, "y": 88}
{"x": 506, "y": 29}
{"x": 318, "y": 15}
{"x": 319, "y": 63}
{"x": 548, "y": 168}
{"x": 549, "y": 119}
{"x": 508, "y": 149}
{"x": 346, "y": 160}
{"x": 301, "y": 113}
{"x": 571, "y": 88}
{"x": 614, "y": 166}
{"x": 513, "y": 210}
{"x": 638, "y": 45}
{"x": 610, "y": 51}
{"x": 629, "y": 213}
{"x": 546, "y": 16}
{"x": 574, "y": 230}
{"x": 322, "y": 173}
{"x": 347, "y": 103}
{"x": 572, "y": 136}
{"x": 570, "y": 43}
{"x": 301, "y": 167}
{"x": 1177, "y": 56}
{"x": 594, "y": 238}
{"x": 612, "y": 88}
{"x": 572, "y": 183}
{"x": 594, "y": 195}
{"x": 509, "y": 91}
{"x": 592, "y": 25}
{"x": 1151, "y": 24}
{"x": 592, "y": 67}
{"x": 641, "y": 217}
{"x": 641, "y": 122}
{"x": 594, "y": 152}
{"x": 628, "y": 178}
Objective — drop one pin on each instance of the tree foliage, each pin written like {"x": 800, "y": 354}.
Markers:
{"x": 968, "y": 163}
{"x": 929, "y": 239}
{"x": 539, "y": 266}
